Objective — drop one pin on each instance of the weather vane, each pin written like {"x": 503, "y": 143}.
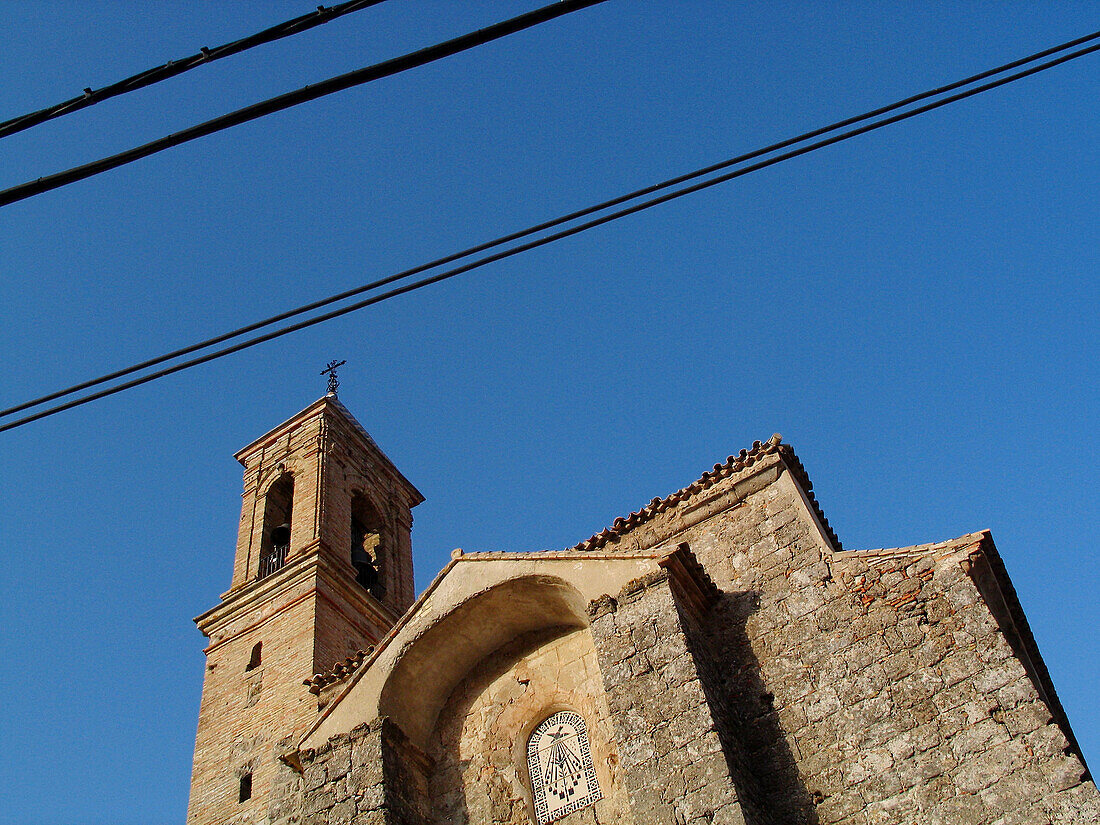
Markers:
{"x": 330, "y": 370}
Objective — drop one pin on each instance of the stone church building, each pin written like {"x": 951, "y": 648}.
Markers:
{"x": 714, "y": 657}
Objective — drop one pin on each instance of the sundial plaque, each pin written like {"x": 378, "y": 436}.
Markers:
{"x": 559, "y": 759}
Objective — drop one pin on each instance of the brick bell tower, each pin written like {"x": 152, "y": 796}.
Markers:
{"x": 323, "y": 569}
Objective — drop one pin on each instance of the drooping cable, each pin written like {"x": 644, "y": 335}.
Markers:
{"x": 647, "y": 204}
{"x": 178, "y": 67}
{"x": 550, "y": 224}
{"x": 297, "y": 97}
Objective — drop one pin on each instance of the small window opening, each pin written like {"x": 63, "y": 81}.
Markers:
{"x": 367, "y": 548}
{"x": 276, "y": 536}
{"x": 256, "y": 658}
{"x": 246, "y": 787}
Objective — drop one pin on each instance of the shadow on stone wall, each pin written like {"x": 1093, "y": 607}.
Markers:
{"x": 757, "y": 752}
{"x": 448, "y": 783}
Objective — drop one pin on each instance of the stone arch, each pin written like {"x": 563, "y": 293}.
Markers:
{"x": 432, "y": 665}
{"x": 470, "y": 688}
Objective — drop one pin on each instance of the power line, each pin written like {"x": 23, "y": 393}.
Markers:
{"x": 296, "y": 97}
{"x": 574, "y": 230}
{"x": 178, "y": 67}
{"x": 531, "y": 230}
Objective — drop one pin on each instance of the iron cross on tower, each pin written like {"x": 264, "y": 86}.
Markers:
{"x": 330, "y": 370}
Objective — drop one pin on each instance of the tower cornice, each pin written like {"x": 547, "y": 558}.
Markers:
{"x": 330, "y": 408}
{"x": 312, "y": 568}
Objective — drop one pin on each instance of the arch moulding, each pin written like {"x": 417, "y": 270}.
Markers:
{"x": 478, "y": 603}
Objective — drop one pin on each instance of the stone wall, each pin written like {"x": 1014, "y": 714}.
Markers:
{"x": 370, "y": 776}
{"x": 816, "y": 687}
{"x": 885, "y": 690}
{"x": 672, "y": 758}
{"x": 479, "y": 745}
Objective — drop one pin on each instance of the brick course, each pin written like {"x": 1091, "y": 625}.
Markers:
{"x": 308, "y": 615}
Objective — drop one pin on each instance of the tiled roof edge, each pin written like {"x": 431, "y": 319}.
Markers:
{"x": 936, "y": 548}
{"x": 733, "y": 464}
{"x": 794, "y": 464}
{"x": 339, "y": 672}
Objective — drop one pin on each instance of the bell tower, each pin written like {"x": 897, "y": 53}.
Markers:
{"x": 323, "y": 569}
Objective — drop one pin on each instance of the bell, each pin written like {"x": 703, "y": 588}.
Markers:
{"x": 280, "y": 536}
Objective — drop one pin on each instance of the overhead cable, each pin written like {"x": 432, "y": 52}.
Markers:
{"x": 177, "y": 67}
{"x": 550, "y": 224}
{"x": 556, "y": 236}
{"x": 298, "y": 96}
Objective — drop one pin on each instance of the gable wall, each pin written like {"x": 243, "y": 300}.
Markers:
{"x": 875, "y": 691}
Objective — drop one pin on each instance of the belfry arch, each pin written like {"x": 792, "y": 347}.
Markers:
{"x": 278, "y": 513}
{"x": 370, "y": 546}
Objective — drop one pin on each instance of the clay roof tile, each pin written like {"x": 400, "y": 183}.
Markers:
{"x": 733, "y": 464}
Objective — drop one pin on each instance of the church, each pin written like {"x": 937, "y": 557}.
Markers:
{"x": 714, "y": 658}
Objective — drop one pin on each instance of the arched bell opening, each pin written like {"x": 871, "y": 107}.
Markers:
{"x": 278, "y": 505}
{"x": 368, "y": 547}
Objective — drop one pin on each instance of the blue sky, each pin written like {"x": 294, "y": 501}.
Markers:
{"x": 914, "y": 310}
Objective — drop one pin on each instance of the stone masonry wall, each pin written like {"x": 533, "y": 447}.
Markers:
{"x": 882, "y": 690}
{"x": 672, "y": 760}
{"x": 632, "y": 676}
{"x": 480, "y": 739}
{"x": 821, "y": 688}
{"x": 370, "y": 776}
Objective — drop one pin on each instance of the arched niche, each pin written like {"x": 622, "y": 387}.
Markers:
{"x": 491, "y": 622}
{"x": 479, "y": 751}
{"x": 431, "y": 665}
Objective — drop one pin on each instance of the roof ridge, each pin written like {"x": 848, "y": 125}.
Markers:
{"x": 733, "y": 464}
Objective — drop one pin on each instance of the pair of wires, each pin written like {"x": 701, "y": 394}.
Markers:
{"x": 290, "y": 99}
{"x": 205, "y": 55}
{"x": 703, "y": 178}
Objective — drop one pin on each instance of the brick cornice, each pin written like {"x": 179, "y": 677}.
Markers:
{"x": 300, "y": 569}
